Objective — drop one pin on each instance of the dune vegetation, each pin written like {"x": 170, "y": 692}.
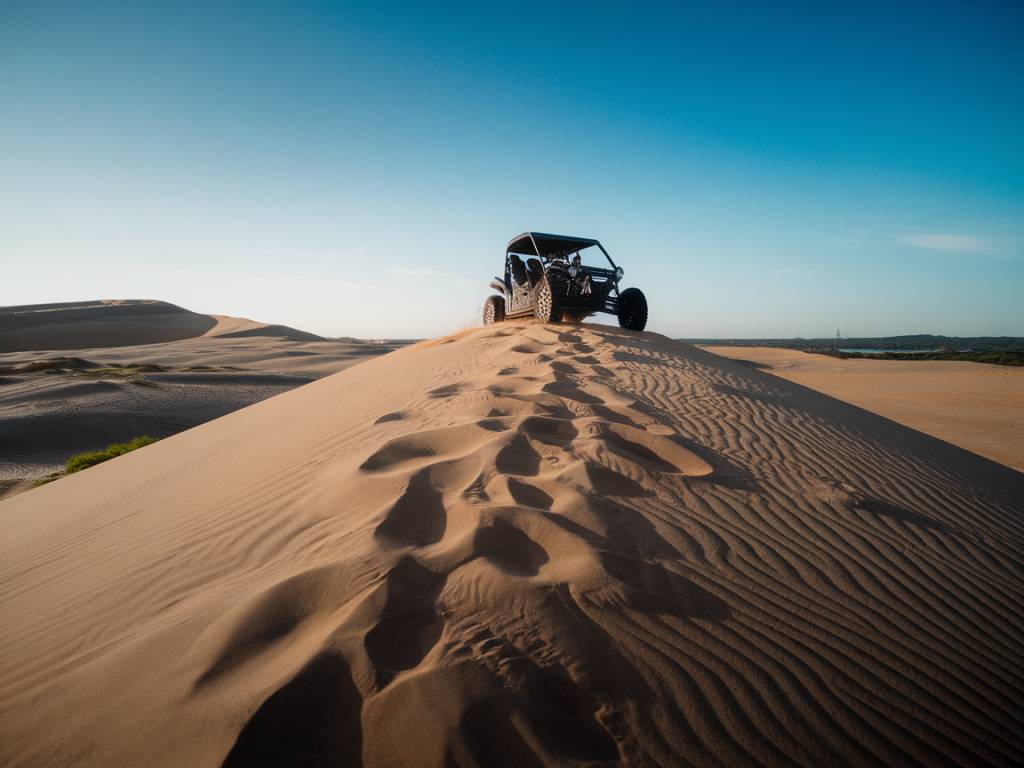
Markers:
{"x": 82, "y": 461}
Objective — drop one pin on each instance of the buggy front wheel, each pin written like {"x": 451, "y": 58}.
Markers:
{"x": 544, "y": 307}
{"x": 633, "y": 309}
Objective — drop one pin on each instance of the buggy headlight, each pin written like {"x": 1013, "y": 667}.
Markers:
{"x": 573, "y": 270}
{"x": 618, "y": 273}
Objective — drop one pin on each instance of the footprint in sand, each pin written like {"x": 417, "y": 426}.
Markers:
{"x": 562, "y": 367}
{"x": 409, "y": 624}
{"x": 596, "y": 478}
{"x": 314, "y": 719}
{"x": 448, "y": 390}
{"x": 529, "y": 495}
{"x": 509, "y": 549}
{"x": 549, "y": 709}
{"x": 527, "y": 348}
{"x": 653, "y": 589}
{"x": 492, "y": 425}
{"x": 653, "y": 452}
{"x": 268, "y": 618}
{"x": 567, "y": 389}
{"x": 418, "y": 517}
{"x": 549, "y": 430}
{"x": 518, "y": 457}
{"x": 417, "y": 447}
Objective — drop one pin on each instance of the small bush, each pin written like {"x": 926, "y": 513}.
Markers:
{"x": 48, "y": 479}
{"x": 123, "y": 371}
{"x": 87, "y": 459}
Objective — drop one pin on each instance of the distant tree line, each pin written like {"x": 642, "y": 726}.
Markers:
{"x": 999, "y": 350}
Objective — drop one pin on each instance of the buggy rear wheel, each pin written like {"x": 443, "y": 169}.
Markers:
{"x": 633, "y": 309}
{"x": 494, "y": 310}
{"x": 544, "y": 307}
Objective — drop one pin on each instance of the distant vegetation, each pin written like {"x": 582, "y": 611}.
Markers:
{"x": 89, "y": 458}
{"x": 1000, "y": 350}
{"x": 115, "y": 371}
{"x": 1006, "y": 357}
{"x": 81, "y": 367}
{"x": 82, "y": 460}
{"x": 50, "y": 365}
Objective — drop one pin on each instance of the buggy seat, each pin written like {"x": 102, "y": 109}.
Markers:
{"x": 534, "y": 271}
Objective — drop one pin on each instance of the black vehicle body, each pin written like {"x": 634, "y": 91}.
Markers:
{"x": 553, "y": 284}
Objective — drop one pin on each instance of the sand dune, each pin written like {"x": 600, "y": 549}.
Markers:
{"x": 119, "y": 323}
{"x": 78, "y": 325}
{"x": 521, "y": 545}
{"x": 976, "y": 406}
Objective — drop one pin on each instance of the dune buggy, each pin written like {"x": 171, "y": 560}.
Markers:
{"x": 553, "y": 284}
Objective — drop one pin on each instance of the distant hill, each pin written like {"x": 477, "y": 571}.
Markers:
{"x": 120, "y": 323}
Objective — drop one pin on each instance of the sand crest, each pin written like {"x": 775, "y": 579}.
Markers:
{"x": 521, "y": 545}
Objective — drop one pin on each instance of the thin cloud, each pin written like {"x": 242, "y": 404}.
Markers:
{"x": 947, "y": 241}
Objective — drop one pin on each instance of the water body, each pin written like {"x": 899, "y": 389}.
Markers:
{"x": 884, "y": 351}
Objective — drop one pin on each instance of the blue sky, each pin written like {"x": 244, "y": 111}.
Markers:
{"x": 356, "y": 169}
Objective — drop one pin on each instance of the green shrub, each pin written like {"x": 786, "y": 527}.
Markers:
{"x": 87, "y": 459}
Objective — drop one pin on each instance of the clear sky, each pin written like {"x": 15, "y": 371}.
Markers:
{"x": 357, "y": 168}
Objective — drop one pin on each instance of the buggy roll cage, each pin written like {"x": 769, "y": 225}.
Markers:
{"x": 547, "y": 247}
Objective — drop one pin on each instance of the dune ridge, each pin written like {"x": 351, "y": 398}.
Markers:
{"x": 521, "y": 545}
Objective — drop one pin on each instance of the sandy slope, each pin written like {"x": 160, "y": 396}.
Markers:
{"x": 514, "y": 546}
{"x": 977, "y": 406}
{"x": 241, "y": 327}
